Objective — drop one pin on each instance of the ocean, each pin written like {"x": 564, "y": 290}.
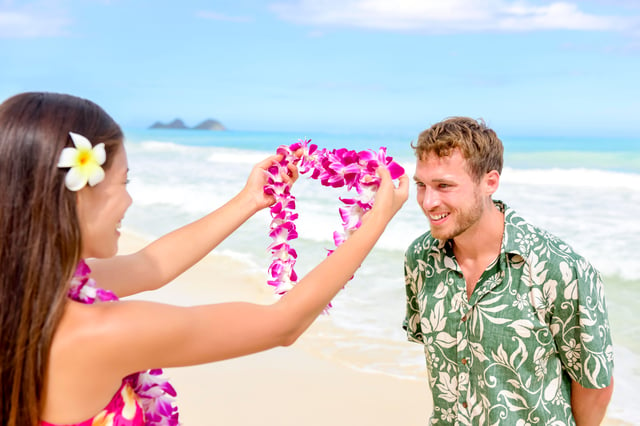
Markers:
{"x": 585, "y": 191}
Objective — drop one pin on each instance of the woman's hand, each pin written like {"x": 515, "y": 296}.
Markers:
{"x": 389, "y": 198}
{"x": 258, "y": 178}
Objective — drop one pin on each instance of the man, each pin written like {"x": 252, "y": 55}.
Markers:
{"x": 513, "y": 322}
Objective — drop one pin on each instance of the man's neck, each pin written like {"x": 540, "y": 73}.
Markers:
{"x": 484, "y": 239}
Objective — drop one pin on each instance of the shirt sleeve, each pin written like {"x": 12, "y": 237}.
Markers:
{"x": 413, "y": 279}
{"x": 580, "y": 325}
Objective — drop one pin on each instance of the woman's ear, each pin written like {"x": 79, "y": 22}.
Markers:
{"x": 81, "y": 197}
{"x": 84, "y": 204}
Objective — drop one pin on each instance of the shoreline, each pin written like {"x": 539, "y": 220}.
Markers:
{"x": 283, "y": 386}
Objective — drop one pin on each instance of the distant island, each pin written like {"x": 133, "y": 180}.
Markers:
{"x": 209, "y": 124}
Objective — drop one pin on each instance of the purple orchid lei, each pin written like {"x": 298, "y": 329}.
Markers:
{"x": 334, "y": 168}
{"x": 156, "y": 395}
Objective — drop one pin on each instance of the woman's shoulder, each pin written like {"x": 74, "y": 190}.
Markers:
{"x": 151, "y": 334}
{"x": 81, "y": 329}
{"x": 99, "y": 333}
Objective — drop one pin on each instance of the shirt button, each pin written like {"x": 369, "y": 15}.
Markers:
{"x": 464, "y": 318}
{"x": 464, "y": 405}
{"x": 464, "y": 361}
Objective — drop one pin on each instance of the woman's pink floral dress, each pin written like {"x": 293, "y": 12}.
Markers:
{"x": 123, "y": 410}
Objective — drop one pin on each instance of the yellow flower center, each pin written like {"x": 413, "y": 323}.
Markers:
{"x": 84, "y": 158}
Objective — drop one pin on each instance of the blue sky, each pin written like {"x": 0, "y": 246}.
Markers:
{"x": 553, "y": 68}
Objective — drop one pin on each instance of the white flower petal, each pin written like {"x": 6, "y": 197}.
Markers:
{"x": 75, "y": 180}
{"x": 68, "y": 157}
{"x": 80, "y": 141}
{"x": 100, "y": 153}
{"x": 96, "y": 176}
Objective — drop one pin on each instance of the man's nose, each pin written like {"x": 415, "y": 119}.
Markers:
{"x": 431, "y": 199}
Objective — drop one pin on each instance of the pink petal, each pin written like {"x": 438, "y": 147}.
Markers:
{"x": 395, "y": 169}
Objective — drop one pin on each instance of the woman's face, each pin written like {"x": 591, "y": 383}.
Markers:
{"x": 101, "y": 209}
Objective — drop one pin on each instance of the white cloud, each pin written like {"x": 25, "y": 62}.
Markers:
{"x": 31, "y": 21}
{"x": 440, "y": 16}
{"x": 215, "y": 16}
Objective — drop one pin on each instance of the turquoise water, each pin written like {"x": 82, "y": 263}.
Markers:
{"x": 584, "y": 191}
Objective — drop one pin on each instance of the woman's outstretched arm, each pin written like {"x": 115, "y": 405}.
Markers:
{"x": 157, "y": 335}
{"x": 214, "y": 332}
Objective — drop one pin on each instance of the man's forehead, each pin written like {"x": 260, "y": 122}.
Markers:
{"x": 455, "y": 158}
{"x": 435, "y": 168}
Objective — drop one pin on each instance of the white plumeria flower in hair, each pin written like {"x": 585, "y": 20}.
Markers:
{"x": 84, "y": 161}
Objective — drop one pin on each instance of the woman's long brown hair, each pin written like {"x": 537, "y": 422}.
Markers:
{"x": 40, "y": 242}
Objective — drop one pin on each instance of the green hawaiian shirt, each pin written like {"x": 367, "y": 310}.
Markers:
{"x": 536, "y": 320}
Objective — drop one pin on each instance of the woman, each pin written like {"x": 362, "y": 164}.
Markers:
{"x": 67, "y": 362}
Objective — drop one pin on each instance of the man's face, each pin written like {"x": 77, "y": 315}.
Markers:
{"x": 449, "y": 197}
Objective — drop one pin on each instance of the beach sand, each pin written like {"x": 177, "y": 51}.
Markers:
{"x": 284, "y": 386}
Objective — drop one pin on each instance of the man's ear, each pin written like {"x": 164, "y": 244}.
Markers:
{"x": 491, "y": 182}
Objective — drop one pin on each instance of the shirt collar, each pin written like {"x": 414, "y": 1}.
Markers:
{"x": 513, "y": 231}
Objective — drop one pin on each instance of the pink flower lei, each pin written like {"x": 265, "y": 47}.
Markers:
{"x": 156, "y": 395}
{"x": 335, "y": 168}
